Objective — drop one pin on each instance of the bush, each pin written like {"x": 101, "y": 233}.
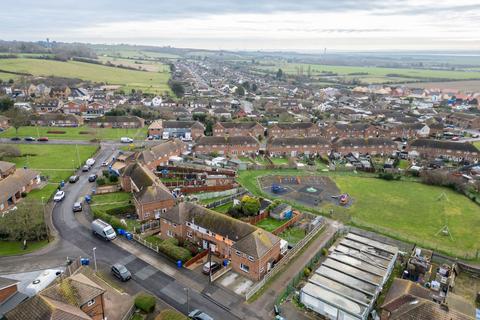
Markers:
{"x": 113, "y": 178}
{"x": 306, "y": 272}
{"x": 170, "y": 248}
{"x": 56, "y": 132}
{"x": 389, "y": 176}
{"x": 120, "y": 210}
{"x": 169, "y": 314}
{"x": 324, "y": 252}
{"x": 145, "y": 302}
{"x": 101, "y": 181}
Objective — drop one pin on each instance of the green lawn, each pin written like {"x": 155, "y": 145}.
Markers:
{"x": 279, "y": 161}
{"x": 55, "y": 161}
{"x": 8, "y": 248}
{"x": 261, "y": 160}
{"x": 403, "y": 164}
{"x": 293, "y": 235}
{"x": 169, "y": 314}
{"x": 152, "y": 82}
{"x": 223, "y": 208}
{"x": 121, "y": 198}
{"x": 269, "y": 224}
{"x": 210, "y": 200}
{"x": 405, "y": 210}
{"x": 74, "y": 133}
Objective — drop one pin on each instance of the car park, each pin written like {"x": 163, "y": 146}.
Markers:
{"x": 121, "y": 272}
{"x": 199, "y": 315}
{"x": 77, "y": 207}
{"x": 92, "y": 178}
{"x": 29, "y": 139}
{"x": 73, "y": 179}
{"x": 211, "y": 267}
{"x": 59, "y": 196}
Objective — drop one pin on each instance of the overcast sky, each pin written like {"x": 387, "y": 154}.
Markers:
{"x": 250, "y": 24}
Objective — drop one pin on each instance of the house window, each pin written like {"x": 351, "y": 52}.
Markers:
{"x": 189, "y": 234}
{"x": 170, "y": 233}
{"x": 90, "y": 303}
{"x": 244, "y": 267}
{"x": 250, "y": 258}
{"x": 238, "y": 253}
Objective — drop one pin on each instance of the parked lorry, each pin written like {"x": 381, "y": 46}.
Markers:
{"x": 103, "y": 229}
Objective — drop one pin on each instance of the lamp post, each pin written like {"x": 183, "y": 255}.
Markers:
{"x": 188, "y": 300}
{"x": 45, "y": 219}
{"x": 95, "y": 258}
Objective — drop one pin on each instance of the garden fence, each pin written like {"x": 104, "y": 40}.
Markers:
{"x": 226, "y": 200}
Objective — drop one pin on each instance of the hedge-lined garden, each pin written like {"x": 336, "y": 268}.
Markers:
{"x": 171, "y": 248}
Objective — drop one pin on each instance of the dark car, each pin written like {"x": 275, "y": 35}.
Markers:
{"x": 42, "y": 139}
{"x": 29, "y": 139}
{"x": 121, "y": 272}
{"x": 213, "y": 268}
{"x": 16, "y": 139}
{"x": 199, "y": 315}
{"x": 77, "y": 207}
{"x": 73, "y": 179}
{"x": 92, "y": 178}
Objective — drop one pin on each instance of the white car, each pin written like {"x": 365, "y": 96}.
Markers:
{"x": 59, "y": 196}
{"x": 126, "y": 140}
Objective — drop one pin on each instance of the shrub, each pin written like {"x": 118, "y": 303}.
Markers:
{"x": 120, "y": 210}
{"x": 324, "y": 252}
{"x": 113, "y": 178}
{"x": 23, "y": 194}
{"x": 169, "y": 314}
{"x": 56, "y": 132}
{"x": 306, "y": 272}
{"x": 145, "y": 302}
{"x": 85, "y": 132}
{"x": 101, "y": 181}
{"x": 170, "y": 248}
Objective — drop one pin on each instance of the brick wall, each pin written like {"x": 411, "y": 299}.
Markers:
{"x": 95, "y": 311}
{"x": 5, "y": 293}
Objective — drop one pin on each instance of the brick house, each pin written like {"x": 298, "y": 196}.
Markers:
{"x": 227, "y": 145}
{"x": 46, "y": 106}
{"x": 431, "y": 149}
{"x": 176, "y": 129}
{"x": 60, "y": 92}
{"x": 125, "y": 122}
{"x": 159, "y": 154}
{"x": 297, "y": 146}
{"x": 14, "y": 182}
{"x": 74, "y": 107}
{"x": 76, "y": 297}
{"x": 150, "y": 196}
{"x": 351, "y": 130}
{"x": 254, "y": 129}
{"x": 291, "y": 130}
{"x": 252, "y": 251}
{"x": 95, "y": 109}
{"x": 56, "y": 120}
{"x": 464, "y": 120}
{"x": 10, "y": 297}
{"x": 372, "y": 146}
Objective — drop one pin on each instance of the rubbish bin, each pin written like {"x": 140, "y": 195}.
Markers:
{"x": 225, "y": 262}
{"x": 179, "y": 263}
{"x": 84, "y": 261}
{"x": 128, "y": 235}
{"x": 88, "y": 199}
{"x": 120, "y": 231}
{"x": 62, "y": 184}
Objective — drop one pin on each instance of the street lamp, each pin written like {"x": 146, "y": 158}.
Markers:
{"x": 188, "y": 302}
{"x": 95, "y": 258}
{"x": 45, "y": 219}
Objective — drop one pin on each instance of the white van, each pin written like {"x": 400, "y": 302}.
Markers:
{"x": 103, "y": 229}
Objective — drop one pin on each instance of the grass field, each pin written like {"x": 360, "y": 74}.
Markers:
{"x": 374, "y": 74}
{"x": 405, "y": 210}
{"x": 270, "y": 224}
{"x": 7, "y": 76}
{"x": 152, "y": 82}
{"x": 55, "y": 161}
{"x": 9, "y": 248}
{"x": 74, "y": 133}
{"x": 148, "y": 65}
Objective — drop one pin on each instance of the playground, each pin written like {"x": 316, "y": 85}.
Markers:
{"x": 312, "y": 191}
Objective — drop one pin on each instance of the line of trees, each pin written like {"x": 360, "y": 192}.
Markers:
{"x": 25, "y": 223}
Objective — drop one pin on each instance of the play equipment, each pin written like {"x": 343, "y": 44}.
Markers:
{"x": 343, "y": 199}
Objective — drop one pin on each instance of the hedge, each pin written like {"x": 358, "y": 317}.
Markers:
{"x": 56, "y": 132}
{"x": 145, "y": 302}
{"x": 169, "y": 314}
{"x": 121, "y": 210}
{"x": 113, "y": 221}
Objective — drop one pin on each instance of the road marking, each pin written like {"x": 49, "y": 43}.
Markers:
{"x": 145, "y": 272}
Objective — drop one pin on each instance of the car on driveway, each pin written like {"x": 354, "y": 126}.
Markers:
{"x": 214, "y": 266}
{"x": 16, "y": 139}
{"x": 73, "y": 179}
{"x": 59, "y": 196}
{"x": 121, "y": 272}
{"x": 92, "y": 178}
{"x": 29, "y": 139}
{"x": 199, "y": 315}
{"x": 77, "y": 207}
{"x": 42, "y": 139}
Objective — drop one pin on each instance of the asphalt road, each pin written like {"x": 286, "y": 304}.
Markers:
{"x": 77, "y": 240}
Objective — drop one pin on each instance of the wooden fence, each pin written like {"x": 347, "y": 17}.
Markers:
{"x": 296, "y": 217}
{"x": 199, "y": 256}
{"x": 107, "y": 189}
{"x": 285, "y": 260}
{"x": 256, "y": 219}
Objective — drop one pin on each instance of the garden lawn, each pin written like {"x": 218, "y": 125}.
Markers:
{"x": 55, "y": 161}
{"x": 261, "y": 160}
{"x": 415, "y": 212}
{"x": 292, "y": 235}
{"x": 223, "y": 208}
{"x": 403, "y": 164}
{"x": 9, "y": 248}
{"x": 277, "y": 161}
{"x": 269, "y": 224}
{"x": 74, "y": 133}
{"x": 102, "y": 202}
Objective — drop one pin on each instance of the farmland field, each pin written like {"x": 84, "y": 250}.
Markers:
{"x": 152, "y": 66}
{"x": 74, "y": 133}
{"x": 373, "y": 74}
{"x": 466, "y": 85}
{"x": 409, "y": 211}
{"x": 153, "y": 82}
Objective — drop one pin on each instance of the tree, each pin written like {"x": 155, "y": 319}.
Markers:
{"x": 240, "y": 91}
{"x": 9, "y": 151}
{"x": 279, "y": 74}
{"x": 25, "y": 223}
{"x": 18, "y": 118}
{"x": 246, "y": 85}
{"x": 177, "y": 88}
{"x": 254, "y": 87}
{"x": 5, "y": 104}
{"x": 250, "y": 205}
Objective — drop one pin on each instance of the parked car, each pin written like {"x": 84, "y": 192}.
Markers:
{"x": 77, "y": 207}
{"x": 105, "y": 164}
{"x": 42, "y": 139}
{"x": 90, "y": 162}
{"x": 121, "y": 272}
{"x": 214, "y": 267}
{"x": 103, "y": 229}
{"x": 85, "y": 168}
{"x": 92, "y": 178}
{"x": 150, "y": 137}
{"x": 59, "y": 196}
{"x": 29, "y": 139}
{"x": 16, "y": 139}
{"x": 199, "y": 315}
{"x": 73, "y": 179}
{"x": 126, "y": 140}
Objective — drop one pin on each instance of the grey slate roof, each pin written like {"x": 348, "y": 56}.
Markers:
{"x": 446, "y": 145}
{"x": 298, "y": 141}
